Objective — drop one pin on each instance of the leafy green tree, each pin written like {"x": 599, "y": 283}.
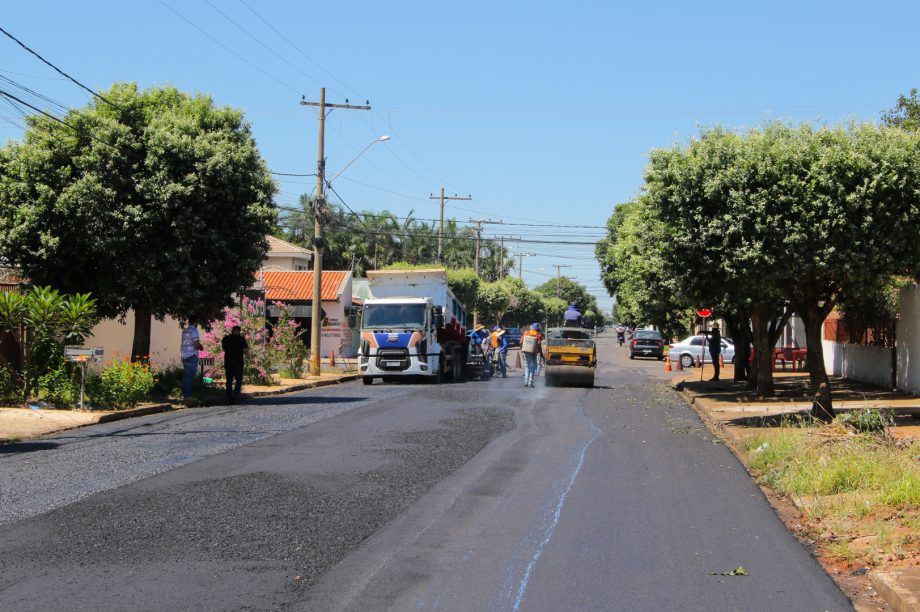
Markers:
{"x": 569, "y": 291}
{"x": 905, "y": 114}
{"x": 493, "y": 302}
{"x": 848, "y": 206}
{"x": 790, "y": 216}
{"x": 722, "y": 247}
{"x": 632, "y": 258}
{"x": 554, "y": 309}
{"x": 526, "y": 306}
{"x": 159, "y": 203}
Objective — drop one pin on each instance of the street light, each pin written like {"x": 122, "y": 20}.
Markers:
{"x": 315, "y": 321}
{"x": 383, "y": 138}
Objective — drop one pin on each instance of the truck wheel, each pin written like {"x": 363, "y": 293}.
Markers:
{"x": 367, "y": 380}
{"x": 439, "y": 373}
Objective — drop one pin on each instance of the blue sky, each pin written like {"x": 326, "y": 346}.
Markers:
{"x": 544, "y": 112}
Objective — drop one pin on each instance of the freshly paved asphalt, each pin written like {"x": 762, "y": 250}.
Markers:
{"x": 480, "y": 496}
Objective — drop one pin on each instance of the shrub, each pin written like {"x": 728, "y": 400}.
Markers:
{"x": 60, "y": 385}
{"x": 282, "y": 346}
{"x": 7, "y": 383}
{"x": 168, "y": 381}
{"x": 121, "y": 384}
{"x": 867, "y": 420}
{"x": 261, "y": 358}
{"x": 287, "y": 340}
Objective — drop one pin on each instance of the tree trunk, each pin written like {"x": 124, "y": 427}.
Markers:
{"x": 140, "y": 347}
{"x": 740, "y": 332}
{"x": 813, "y": 318}
{"x": 763, "y": 353}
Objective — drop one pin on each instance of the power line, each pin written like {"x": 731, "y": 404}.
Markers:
{"x": 59, "y": 120}
{"x": 59, "y": 71}
{"x": 386, "y": 119}
{"x": 299, "y": 50}
{"x": 291, "y": 174}
{"x": 228, "y": 49}
{"x": 272, "y": 51}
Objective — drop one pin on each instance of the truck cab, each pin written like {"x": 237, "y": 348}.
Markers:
{"x": 409, "y": 335}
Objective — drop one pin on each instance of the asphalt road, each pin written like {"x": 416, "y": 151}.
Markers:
{"x": 479, "y": 496}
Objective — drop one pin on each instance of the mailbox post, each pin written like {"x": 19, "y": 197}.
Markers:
{"x": 82, "y": 356}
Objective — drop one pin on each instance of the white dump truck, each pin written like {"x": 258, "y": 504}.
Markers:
{"x": 412, "y": 326}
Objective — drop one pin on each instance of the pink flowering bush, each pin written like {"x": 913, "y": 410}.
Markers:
{"x": 281, "y": 347}
{"x": 287, "y": 338}
{"x": 263, "y": 355}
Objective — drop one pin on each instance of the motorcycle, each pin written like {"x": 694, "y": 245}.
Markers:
{"x": 621, "y": 338}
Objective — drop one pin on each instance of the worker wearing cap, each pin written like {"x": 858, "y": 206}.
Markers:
{"x": 531, "y": 351}
{"x": 500, "y": 344}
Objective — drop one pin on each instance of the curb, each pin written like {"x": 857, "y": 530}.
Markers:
{"x": 891, "y": 586}
{"x": 304, "y": 386}
{"x": 134, "y": 412}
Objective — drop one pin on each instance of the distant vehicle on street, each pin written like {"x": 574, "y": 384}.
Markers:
{"x": 647, "y": 343}
{"x": 689, "y": 349}
{"x": 513, "y": 335}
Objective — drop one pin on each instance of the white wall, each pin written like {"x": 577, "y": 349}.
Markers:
{"x": 868, "y": 364}
{"x": 116, "y": 338}
{"x": 908, "y": 332}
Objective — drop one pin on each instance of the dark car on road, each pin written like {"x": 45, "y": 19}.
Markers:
{"x": 647, "y": 343}
{"x": 513, "y": 335}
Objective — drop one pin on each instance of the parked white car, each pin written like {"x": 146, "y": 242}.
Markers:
{"x": 690, "y": 349}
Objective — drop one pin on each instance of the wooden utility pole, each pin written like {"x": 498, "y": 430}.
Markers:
{"x": 319, "y": 211}
{"x": 441, "y": 226}
{"x": 521, "y": 257}
{"x": 479, "y": 223}
{"x": 558, "y": 277}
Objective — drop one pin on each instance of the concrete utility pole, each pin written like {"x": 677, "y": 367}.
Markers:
{"x": 558, "y": 277}
{"x": 521, "y": 257}
{"x": 441, "y": 227}
{"x": 479, "y": 223}
{"x": 319, "y": 211}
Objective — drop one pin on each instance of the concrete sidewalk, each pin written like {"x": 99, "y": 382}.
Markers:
{"x": 732, "y": 411}
{"x": 26, "y": 423}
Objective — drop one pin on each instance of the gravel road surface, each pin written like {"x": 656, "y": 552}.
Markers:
{"x": 480, "y": 496}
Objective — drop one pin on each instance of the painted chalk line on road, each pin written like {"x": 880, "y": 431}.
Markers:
{"x": 557, "y": 513}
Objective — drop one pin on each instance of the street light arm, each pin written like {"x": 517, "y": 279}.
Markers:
{"x": 383, "y": 138}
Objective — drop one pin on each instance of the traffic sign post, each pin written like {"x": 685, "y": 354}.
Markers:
{"x": 704, "y": 314}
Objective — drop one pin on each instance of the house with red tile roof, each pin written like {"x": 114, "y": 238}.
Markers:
{"x": 295, "y": 288}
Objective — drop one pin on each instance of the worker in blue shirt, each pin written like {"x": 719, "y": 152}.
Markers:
{"x": 572, "y": 317}
{"x": 500, "y": 344}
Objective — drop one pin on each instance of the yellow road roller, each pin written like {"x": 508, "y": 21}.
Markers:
{"x": 571, "y": 357}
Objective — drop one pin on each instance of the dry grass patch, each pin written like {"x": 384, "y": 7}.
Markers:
{"x": 859, "y": 494}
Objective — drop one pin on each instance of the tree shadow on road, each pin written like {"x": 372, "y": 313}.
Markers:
{"x": 27, "y": 447}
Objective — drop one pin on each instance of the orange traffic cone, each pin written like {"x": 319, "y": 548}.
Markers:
{"x": 667, "y": 365}
{"x": 517, "y": 361}
{"x": 699, "y": 362}
{"x": 332, "y": 359}
{"x": 721, "y": 361}
{"x": 680, "y": 365}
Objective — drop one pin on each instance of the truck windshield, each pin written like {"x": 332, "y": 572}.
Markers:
{"x": 394, "y": 315}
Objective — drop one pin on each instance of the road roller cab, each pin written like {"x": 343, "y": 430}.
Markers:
{"x": 571, "y": 357}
